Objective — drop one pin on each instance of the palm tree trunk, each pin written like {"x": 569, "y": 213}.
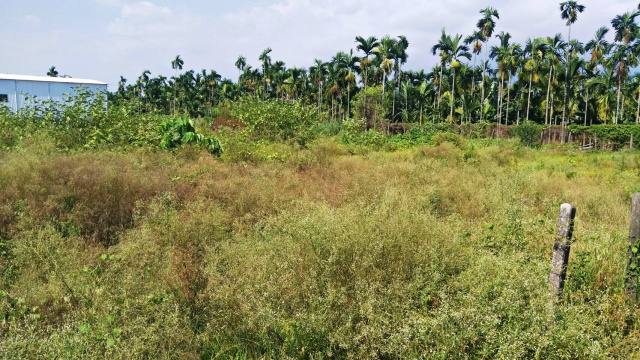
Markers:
{"x": 473, "y": 79}
{"x": 508, "y": 98}
{"x": 498, "y": 117}
{"x": 618, "y": 99}
{"x": 546, "y": 110}
{"x": 484, "y": 69}
{"x": 348, "y": 100}
{"x": 383, "y": 83}
{"x": 365, "y": 73}
{"x": 439, "y": 87}
{"x": 453, "y": 87}
{"x": 586, "y": 107}
{"x": 529, "y": 97}
{"x": 500, "y": 98}
{"x": 566, "y": 79}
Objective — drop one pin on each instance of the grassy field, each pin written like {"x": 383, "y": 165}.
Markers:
{"x": 333, "y": 251}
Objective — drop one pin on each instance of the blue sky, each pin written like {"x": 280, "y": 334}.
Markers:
{"x": 103, "y": 39}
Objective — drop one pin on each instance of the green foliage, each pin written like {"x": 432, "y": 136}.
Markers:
{"x": 275, "y": 119}
{"x": 355, "y": 132}
{"x": 367, "y": 106}
{"x": 416, "y": 136}
{"x": 82, "y": 121}
{"x": 528, "y": 132}
{"x": 179, "y": 131}
{"x": 614, "y": 136}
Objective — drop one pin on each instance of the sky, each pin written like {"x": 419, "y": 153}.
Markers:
{"x": 104, "y": 39}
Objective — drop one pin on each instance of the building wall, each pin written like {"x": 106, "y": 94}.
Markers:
{"x": 21, "y": 93}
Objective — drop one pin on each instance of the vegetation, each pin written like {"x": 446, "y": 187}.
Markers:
{"x": 438, "y": 251}
{"x": 349, "y": 210}
{"x": 548, "y": 80}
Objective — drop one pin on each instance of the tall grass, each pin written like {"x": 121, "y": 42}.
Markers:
{"x": 328, "y": 251}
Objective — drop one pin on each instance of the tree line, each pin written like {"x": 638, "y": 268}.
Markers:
{"x": 484, "y": 76}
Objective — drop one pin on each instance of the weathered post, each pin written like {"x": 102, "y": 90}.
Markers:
{"x": 633, "y": 253}
{"x": 631, "y": 143}
{"x": 561, "y": 249}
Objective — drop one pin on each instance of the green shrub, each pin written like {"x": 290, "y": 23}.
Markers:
{"x": 354, "y": 132}
{"x": 176, "y": 132}
{"x": 528, "y": 132}
{"x": 616, "y": 136}
{"x": 275, "y": 119}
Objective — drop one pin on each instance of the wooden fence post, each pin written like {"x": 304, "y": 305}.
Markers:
{"x": 631, "y": 287}
{"x": 561, "y": 249}
{"x": 631, "y": 143}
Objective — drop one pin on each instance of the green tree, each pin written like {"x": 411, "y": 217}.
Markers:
{"x": 486, "y": 25}
{"x": 569, "y": 11}
{"x": 536, "y": 49}
{"x": 456, "y": 50}
{"x": 176, "y": 64}
{"x": 265, "y": 60}
{"x": 52, "y": 72}
{"x": 366, "y": 46}
{"x": 555, "y": 46}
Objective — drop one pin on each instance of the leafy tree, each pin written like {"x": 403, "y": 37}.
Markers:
{"x": 486, "y": 25}
{"x": 52, "y": 72}
{"x": 569, "y": 11}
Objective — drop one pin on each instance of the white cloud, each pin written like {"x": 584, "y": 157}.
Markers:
{"x": 32, "y": 19}
{"x": 146, "y": 35}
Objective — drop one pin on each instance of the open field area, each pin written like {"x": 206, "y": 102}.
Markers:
{"x": 373, "y": 180}
{"x": 333, "y": 251}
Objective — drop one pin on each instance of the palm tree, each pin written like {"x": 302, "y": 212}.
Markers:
{"x": 240, "y": 64}
{"x": 475, "y": 40}
{"x": 456, "y": 50}
{"x": 569, "y": 11}
{"x": 385, "y": 55}
{"x": 589, "y": 72}
{"x": 536, "y": 49}
{"x": 625, "y": 27}
{"x": 347, "y": 65}
{"x": 443, "y": 50}
{"x": 176, "y": 64}
{"x": 554, "y": 47}
{"x": 318, "y": 73}
{"x": 401, "y": 56}
{"x": 425, "y": 90}
{"x": 501, "y": 54}
{"x": 52, "y": 72}
{"x": 626, "y": 31}
{"x": 121, "y": 85}
{"x": 622, "y": 57}
{"x": 266, "y": 62}
{"x": 486, "y": 25}
{"x": 513, "y": 60}
{"x": 366, "y": 46}
{"x": 598, "y": 46}
{"x": 602, "y": 83}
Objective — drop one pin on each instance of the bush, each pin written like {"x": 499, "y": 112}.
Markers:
{"x": 617, "y": 136}
{"x": 275, "y": 119}
{"x": 528, "y": 132}
{"x": 354, "y": 132}
{"x": 176, "y": 132}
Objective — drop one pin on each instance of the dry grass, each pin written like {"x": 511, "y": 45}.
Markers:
{"x": 435, "y": 252}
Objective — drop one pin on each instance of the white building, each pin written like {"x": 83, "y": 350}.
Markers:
{"x": 15, "y": 89}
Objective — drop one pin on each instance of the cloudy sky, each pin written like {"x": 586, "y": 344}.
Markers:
{"x": 103, "y": 39}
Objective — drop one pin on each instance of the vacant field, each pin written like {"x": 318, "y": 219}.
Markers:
{"x": 333, "y": 251}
